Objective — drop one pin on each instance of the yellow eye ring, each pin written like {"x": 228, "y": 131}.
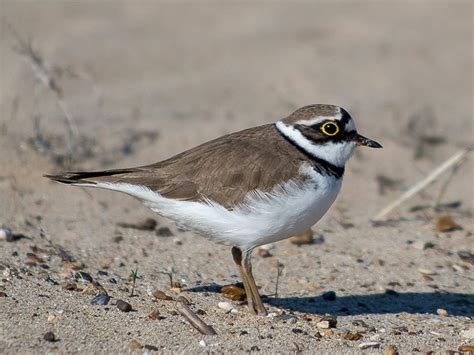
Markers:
{"x": 330, "y": 128}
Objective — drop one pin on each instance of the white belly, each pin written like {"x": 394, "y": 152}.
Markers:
{"x": 261, "y": 219}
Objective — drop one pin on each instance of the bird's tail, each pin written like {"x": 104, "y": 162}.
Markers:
{"x": 88, "y": 178}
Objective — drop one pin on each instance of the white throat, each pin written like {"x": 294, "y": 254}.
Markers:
{"x": 334, "y": 153}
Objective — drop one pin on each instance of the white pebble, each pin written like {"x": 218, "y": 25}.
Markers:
{"x": 369, "y": 344}
{"x": 203, "y": 343}
{"x": 272, "y": 315}
{"x": 234, "y": 311}
{"x": 226, "y": 306}
{"x": 324, "y": 324}
{"x": 5, "y": 233}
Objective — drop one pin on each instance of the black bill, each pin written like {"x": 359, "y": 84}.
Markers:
{"x": 361, "y": 140}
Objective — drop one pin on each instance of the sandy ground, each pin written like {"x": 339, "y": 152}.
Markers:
{"x": 145, "y": 80}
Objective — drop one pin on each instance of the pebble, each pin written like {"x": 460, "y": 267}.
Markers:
{"x": 226, "y": 306}
{"x": 134, "y": 345}
{"x": 52, "y": 318}
{"x": 420, "y": 245}
{"x": 390, "y": 350}
{"x": 291, "y": 320}
{"x": 70, "y": 286}
{"x": 327, "y": 322}
{"x": 72, "y": 266}
{"x": 466, "y": 256}
{"x": 177, "y": 241}
{"x": 203, "y": 343}
{"x": 352, "y": 336}
{"x": 3, "y": 294}
{"x": 263, "y": 253}
{"x": 446, "y": 224}
{"x": 369, "y": 345}
{"x": 83, "y": 276}
{"x": 49, "y": 336}
{"x": 329, "y": 296}
{"x": 6, "y": 234}
{"x": 164, "y": 232}
{"x": 124, "y": 306}
{"x": 100, "y": 300}
{"x": 233, "y": 292}
{"x": 160, "y": 295}
{"x": 155, "y": 314}
{"x": 442, "y": 312}
{"x": 426, "y": 271}
{"x": 326, "y": 332}
{"x": 468, "y": 334}
{"x": 302, "y": 239}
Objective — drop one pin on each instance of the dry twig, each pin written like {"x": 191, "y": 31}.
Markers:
{"x": 43, "y": 74}
{"x": 192, "y": 318}
{"x": 455, "y": 161}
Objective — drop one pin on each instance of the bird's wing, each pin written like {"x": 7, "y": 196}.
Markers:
{"x": 223, "y": 170}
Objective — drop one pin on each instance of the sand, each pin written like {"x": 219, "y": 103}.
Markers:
{"x": 143, "y": 81}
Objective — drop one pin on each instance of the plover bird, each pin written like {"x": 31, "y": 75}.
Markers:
{"x": 247, "y": 188}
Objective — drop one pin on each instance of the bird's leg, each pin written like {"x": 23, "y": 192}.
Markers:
{"x": 237, "y": 255}
{"x": 253, "y": 287}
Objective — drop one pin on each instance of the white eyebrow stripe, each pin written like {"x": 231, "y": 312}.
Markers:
{"x": 318, "y": 119}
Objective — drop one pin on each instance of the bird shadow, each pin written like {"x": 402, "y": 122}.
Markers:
{"x": 456, "y": 304}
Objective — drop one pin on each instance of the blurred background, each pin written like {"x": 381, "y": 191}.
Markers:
{"x": 105, "y": 84}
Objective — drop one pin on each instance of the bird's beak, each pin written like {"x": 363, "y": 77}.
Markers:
{"x": 361, "y": 140}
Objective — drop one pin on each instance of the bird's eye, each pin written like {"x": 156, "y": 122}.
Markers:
{"x": 330, "y": 128}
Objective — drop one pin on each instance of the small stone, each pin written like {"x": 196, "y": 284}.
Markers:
{"x": 233, "y": 292}
{"x": 468, "y": 334}
{"x": 226, "y": 306}
{"x": 360, "y": 323}
{"x": 302, "y": 239}
{"x": 466, "y": 256}
{"x": 446, "y": 224}
{"x": 33, "y": 258}
{"x": 329, "y": 296}
{"x": 155, "y": 314}
{"x": 150, "y": 347}
{"x": 263, "y": 253}
{"x": 100, "y": 300}
{"x": 442, "y": 312}
{"x": 420, "y": 245}
{"x": 292, "y": 320}
{"x": 234, "y": 311}
{"x": 83, "y": 276}
{"x": 160, "y": 295}
{"x": 426, "y": 272}
{"x": 369, "y": 345}
{"x": 164, "y": 232}
{"x": 177, "y": 241}
{"x": 390, "y": 350}
{"x": 5, "y": 234}
{"x": 49, "y": 336}
{"x": 124, "y": 306}
{"x": 134, "y": 345}
{"x": 202, "y": 343}
{"x": 323, "y": 324}
{"x": 52, "y": 318}
{"x": 3, "y": 294}
{"x": 466, "y": 348}
{"x": 326, "y": 332}
{"x": 70, "y": 286}
{"x": 352, "y": 336}
{"x": 72, "y": 266}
